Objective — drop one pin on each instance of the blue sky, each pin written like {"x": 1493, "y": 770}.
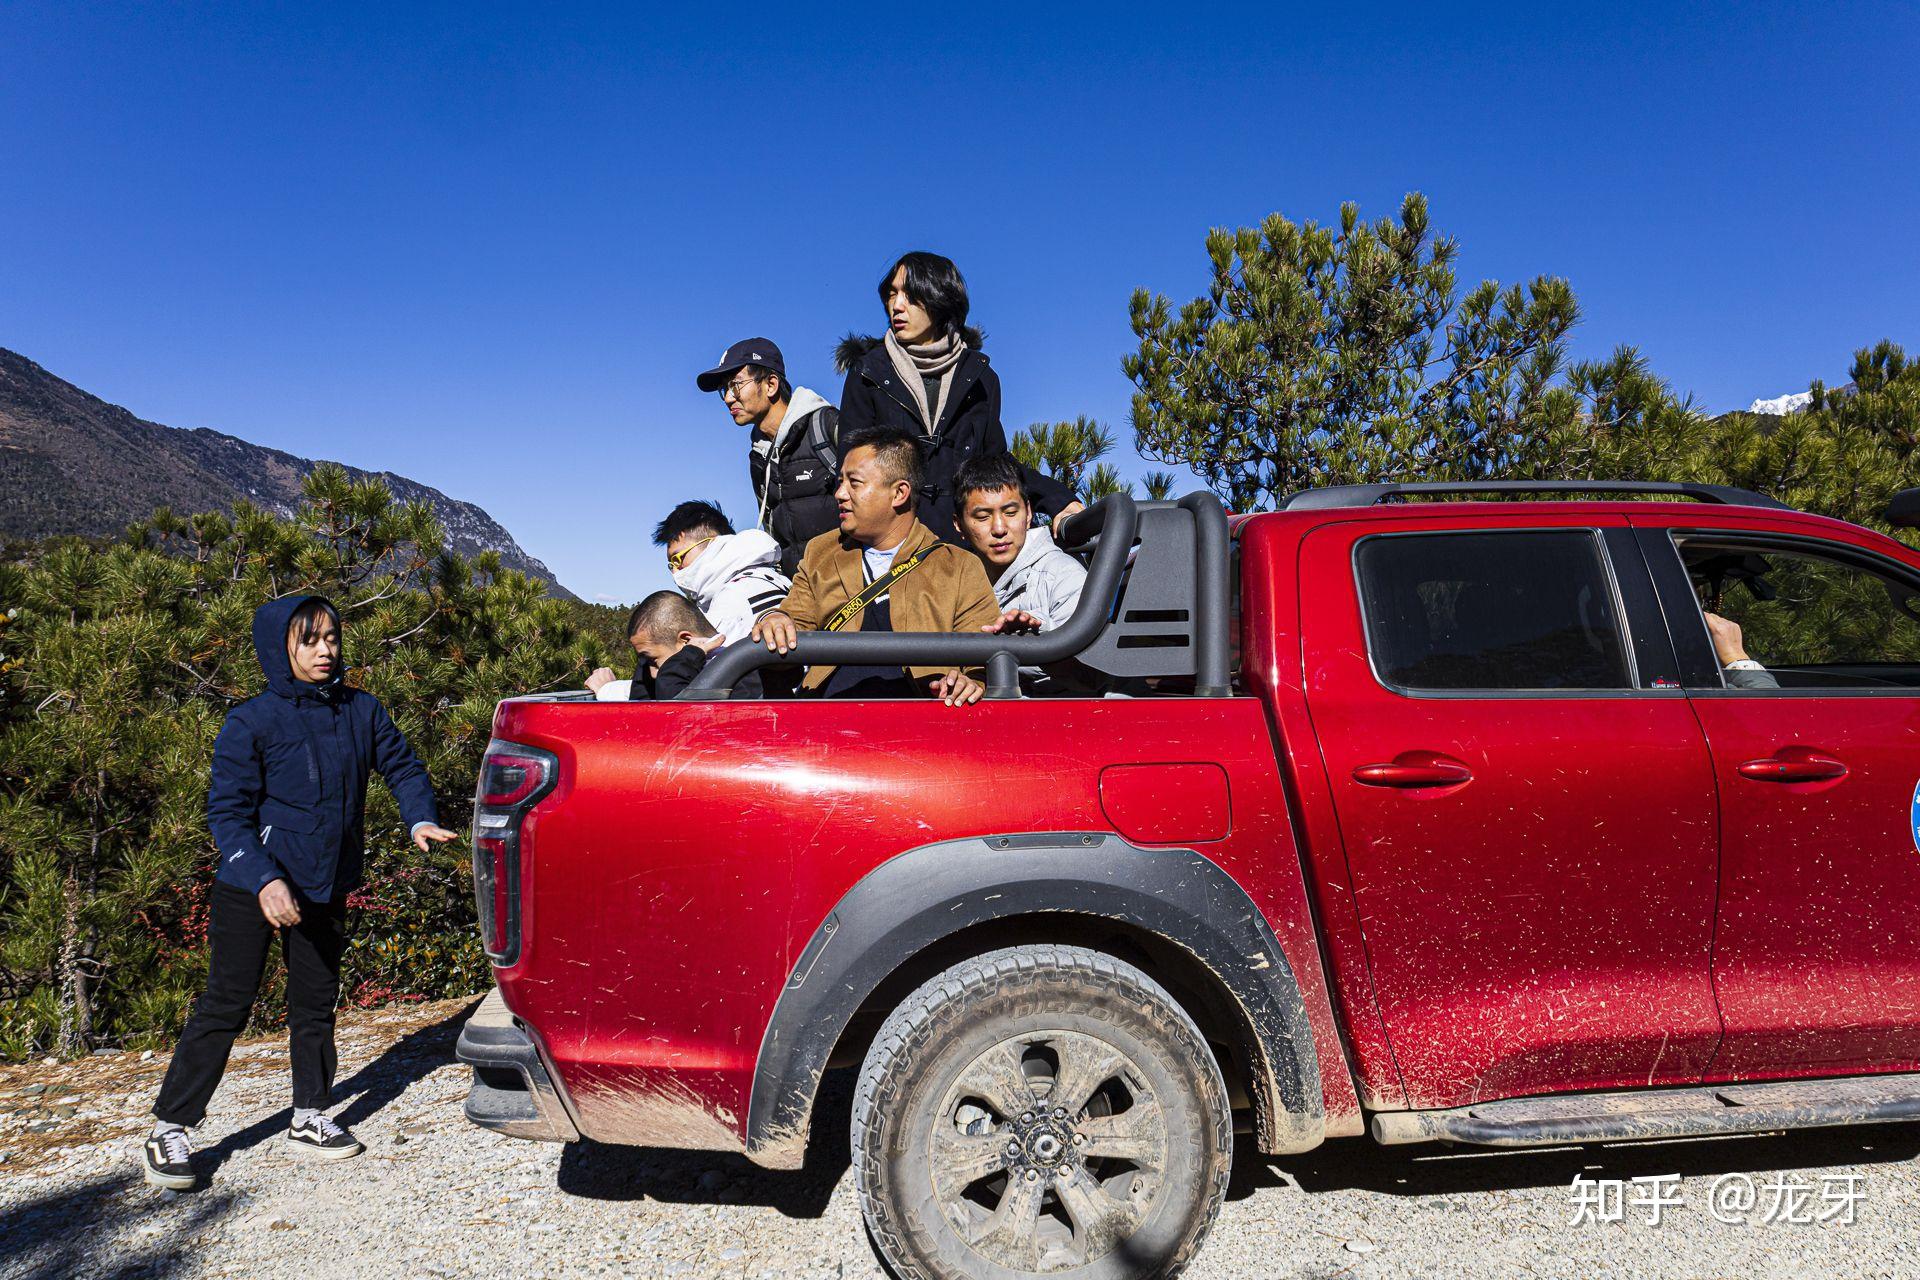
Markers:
{"x": 489, "y": 247}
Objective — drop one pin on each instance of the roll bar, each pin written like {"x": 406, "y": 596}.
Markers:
{"x": 1111, "y": 525}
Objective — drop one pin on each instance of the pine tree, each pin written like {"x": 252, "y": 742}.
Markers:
{"x": 1342, "y": 355}
{"x": 119, "y": 663}
{"x": 1072, "y": 453}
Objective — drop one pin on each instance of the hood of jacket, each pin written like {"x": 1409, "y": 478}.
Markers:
{"x": 270, "y": 623}
{"x": 724, "y": 557}
{"x": 800, "y": 406}
{"x": 855, "y": 347}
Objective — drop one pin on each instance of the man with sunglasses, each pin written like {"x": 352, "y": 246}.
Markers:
{"x": 730, "y": 578}
{"x": 795, "y": 458}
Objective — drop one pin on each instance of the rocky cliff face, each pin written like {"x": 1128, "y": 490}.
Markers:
{"x": 70, "y": 463}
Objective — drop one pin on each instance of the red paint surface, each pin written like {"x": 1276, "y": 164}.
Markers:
{"x": 1817, "y": 949}
{"x": 1167, "y": 803}
{"x": 1546, "y": 924}
{"x": 694, "y": 847}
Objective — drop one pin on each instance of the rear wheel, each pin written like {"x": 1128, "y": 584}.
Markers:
{"x": 1040, "y": 1110}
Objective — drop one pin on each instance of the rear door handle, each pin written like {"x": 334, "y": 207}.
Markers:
{"x": 1414, "y": 769}
{"x": 1808, "y": 767}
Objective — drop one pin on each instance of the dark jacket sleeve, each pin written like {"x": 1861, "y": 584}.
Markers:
{"x": 1050, "y": 497}
{"x": 1747, "y": 678}
{"x": 233, "y": 807}
{"x": 406, "y": 777}
{"x": 678, "y": 671}
{"x": 856, "y": 406}
{"x": 640, "y": 688}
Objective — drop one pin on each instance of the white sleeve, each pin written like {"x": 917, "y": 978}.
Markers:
{"x": 613, "y": 691}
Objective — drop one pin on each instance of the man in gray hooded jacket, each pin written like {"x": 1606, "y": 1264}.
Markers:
{"x": 794, "y": 459}
{"x": 1037, "y": 584}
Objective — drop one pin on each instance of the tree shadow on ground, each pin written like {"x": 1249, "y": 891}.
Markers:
{"x": 599, "y": 1172}
{"x": 60, "y": 1234}
{"x": 372, "y": 1087}
{"x": 1433, "y": 1169}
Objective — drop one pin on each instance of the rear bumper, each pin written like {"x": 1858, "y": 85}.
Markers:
{"x": 512, "y": 1093}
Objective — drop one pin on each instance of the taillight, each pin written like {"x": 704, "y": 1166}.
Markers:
{"x": 506, "y": 780}
{"x": 513, "y": 779}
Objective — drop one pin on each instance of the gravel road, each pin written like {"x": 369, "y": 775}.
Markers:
{"x": 435, "y": 1197}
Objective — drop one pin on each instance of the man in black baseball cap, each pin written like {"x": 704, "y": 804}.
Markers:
{"x": 795, "y": 458}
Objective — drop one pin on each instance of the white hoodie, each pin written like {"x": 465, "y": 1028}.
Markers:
{"x": 1043, "y": 580}
{"x": 735, "y": 580}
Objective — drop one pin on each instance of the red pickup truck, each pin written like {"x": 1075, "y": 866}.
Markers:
{"x": 1424, "y": 819}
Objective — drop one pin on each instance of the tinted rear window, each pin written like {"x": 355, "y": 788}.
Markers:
{"x": 1523, "y": 610}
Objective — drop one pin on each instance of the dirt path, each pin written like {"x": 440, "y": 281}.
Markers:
{"x": 435, "y": 1197}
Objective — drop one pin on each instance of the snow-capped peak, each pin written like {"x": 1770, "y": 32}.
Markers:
{"x": 1780, "y": 406}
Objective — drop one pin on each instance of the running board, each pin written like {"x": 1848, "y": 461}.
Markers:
{"x": 1660, "y": 1113}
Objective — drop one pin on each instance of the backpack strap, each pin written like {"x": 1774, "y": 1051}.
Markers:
{"x": 823, "y": 437}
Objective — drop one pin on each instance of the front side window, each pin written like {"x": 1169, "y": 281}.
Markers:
{"x": 1808, "y": 620}
{"x": 1526, "y": 610}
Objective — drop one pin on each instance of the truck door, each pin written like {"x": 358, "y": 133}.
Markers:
{"x": 1817, "y": 947}
{"x": 1525, "y": 799}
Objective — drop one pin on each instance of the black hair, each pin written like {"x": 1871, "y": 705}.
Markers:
{"x": 691, "y": 517}
{"x": 782, "y": 389}
{"x": 664, "y": 615}
{"x": 307, "y": 620}
{"x": 936, "y": 284}
{"x": 898, "y": 450}
{"x": 986, "y": 472}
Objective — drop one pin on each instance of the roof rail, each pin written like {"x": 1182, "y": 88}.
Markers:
{"x": 1368, "y": 495}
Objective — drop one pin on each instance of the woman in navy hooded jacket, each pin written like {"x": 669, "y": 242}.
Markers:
{"x": 287, "y": 810}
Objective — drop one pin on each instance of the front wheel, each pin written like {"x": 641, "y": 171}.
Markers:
{"x": 1040, "y": 1110}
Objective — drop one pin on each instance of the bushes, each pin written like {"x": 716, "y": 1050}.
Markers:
{"x": 117, "y": 665}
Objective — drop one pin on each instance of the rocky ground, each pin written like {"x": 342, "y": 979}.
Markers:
{"x": 435, "y": 1197}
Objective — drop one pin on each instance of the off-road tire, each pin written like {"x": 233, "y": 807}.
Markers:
{"x": 1087, "y": 1010}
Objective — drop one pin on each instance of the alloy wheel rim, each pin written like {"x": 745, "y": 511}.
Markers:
{"x": 1048, "y": 1150}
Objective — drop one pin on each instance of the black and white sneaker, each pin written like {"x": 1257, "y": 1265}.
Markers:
{"x": 167, "y": 1157}
{"x": 321, "y": 1137}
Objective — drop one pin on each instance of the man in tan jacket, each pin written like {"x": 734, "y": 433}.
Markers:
{"x": 883, "y": 571}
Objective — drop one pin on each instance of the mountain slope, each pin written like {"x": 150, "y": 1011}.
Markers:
{"x": 70, "y": 463}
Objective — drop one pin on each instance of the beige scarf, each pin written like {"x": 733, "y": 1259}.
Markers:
{"x": 925, "y": 360}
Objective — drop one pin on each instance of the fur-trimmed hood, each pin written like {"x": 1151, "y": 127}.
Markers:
{"x": 854, "y": 347}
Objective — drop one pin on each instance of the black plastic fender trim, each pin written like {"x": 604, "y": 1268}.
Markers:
{"x": 935, "y": 891}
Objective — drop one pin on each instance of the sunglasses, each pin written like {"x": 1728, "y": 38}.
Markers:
{"x": 677, "y": 560}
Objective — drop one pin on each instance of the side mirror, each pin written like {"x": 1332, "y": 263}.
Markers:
{"x": 1903, "y": 509}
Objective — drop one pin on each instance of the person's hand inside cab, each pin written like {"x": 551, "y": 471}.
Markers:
{"x": 956, "y": 688}
{"x": 601, "y": 676}
{"x": 1729, "y": 645}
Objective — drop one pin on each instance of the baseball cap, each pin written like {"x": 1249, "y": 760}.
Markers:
{"x": 752, "y": 351}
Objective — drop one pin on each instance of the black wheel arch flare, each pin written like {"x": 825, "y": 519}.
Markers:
{"x": 916, "y": 899}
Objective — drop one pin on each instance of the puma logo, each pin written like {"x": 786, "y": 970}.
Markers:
{"x": 803, "y": 475}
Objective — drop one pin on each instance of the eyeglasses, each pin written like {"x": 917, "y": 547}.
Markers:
{"x": 677, "y": 560}
{"x": 735, "y": 389}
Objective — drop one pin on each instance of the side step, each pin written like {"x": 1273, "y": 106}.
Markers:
{"x": 1660, "y": 1113}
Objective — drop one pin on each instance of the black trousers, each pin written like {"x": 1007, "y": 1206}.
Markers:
{"x": 241, "y": 938}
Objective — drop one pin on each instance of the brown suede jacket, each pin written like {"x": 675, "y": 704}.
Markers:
{"x": 948, "y": 591}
